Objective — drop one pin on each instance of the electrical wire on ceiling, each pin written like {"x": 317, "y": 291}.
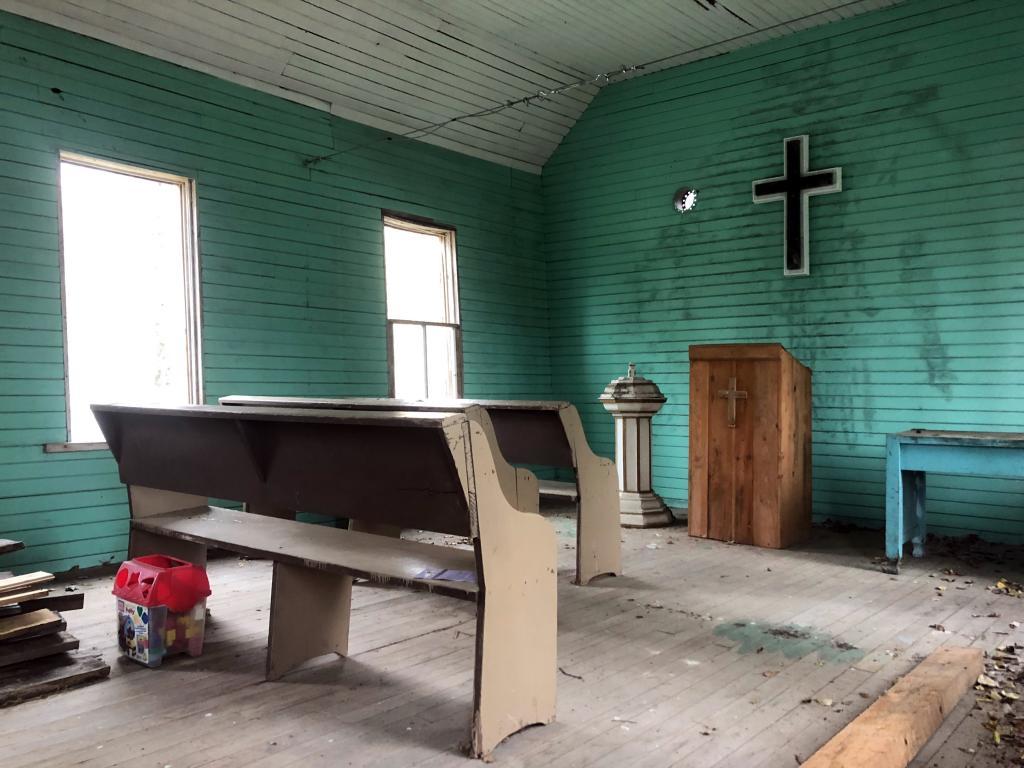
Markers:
{"x": 426, "y": 130}
{"x": 601, "y": 79}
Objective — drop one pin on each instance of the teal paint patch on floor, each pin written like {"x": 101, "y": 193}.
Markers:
{"x": 791, "y": 641}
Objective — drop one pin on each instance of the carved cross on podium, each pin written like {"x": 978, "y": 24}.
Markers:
{"x": 732, "y": 394}
{"x": 794, "y": 188}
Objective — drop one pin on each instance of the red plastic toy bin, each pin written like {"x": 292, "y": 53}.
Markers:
{"x": 162, "y": 580}
{"x": 161, "y": 608}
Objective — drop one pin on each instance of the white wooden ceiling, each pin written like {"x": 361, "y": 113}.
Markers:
{"x": 403, "y": 65}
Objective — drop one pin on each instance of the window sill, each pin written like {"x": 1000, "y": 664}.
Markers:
{"x": 72, "y": 447}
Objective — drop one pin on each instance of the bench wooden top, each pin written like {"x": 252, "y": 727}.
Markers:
{"x": 363, "y": 555}
{"x": 392, "y": 403}
{"x": 957, "y": 437}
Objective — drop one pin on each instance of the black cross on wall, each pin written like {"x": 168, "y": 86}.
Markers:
{"x": 793, "y": 189}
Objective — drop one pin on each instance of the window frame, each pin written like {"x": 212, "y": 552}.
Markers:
{"x": 192, "y": 283}
{"x": 425, "y": 226}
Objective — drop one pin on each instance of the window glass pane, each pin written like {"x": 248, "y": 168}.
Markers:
{"x": 124, "y": 284}
{"x": 442, "y": 364}
{"x": 409, "y": 361}
{"x": 417, "y": 284}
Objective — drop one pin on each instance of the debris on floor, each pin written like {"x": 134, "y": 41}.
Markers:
{"x": 1007, "y": 587}
{"x": 970, "y": 549}
{"x": 997, "y": 700}
{"x": 569, "y": 674}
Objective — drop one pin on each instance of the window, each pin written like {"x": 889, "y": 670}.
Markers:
{"x": 130, "y": 289}
{"x": 423, "y": 310}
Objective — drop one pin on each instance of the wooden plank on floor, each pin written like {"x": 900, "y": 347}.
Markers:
{"x": 68, "y": 601}
{"x": 19, "y": 597}
{"x": 29, "y": 624}
{"x": 36, "y": 648}
{"x": 889, "y": 733}
{"x": 19, "y": 583}
{"x": 10, "y": 545}
{"x": 40, "y": 677}
{"x": 43, "y": 631}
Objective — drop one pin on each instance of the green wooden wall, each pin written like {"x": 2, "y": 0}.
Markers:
{"x": 913, "y": 315}
{"x": 292, "y": 259}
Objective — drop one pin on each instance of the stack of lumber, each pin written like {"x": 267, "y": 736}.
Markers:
{"x": 37, "y": 655}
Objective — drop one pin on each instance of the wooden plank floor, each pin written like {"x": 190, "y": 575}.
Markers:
{"x": 703, "y": 655}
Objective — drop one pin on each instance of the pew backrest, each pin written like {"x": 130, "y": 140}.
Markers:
{"x": 392, "y": 468}
{"x": 527, "y": 431}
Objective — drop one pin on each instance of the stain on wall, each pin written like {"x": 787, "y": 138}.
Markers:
{"x": 913, "y": 315}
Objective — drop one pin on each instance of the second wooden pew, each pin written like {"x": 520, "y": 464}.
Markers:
{"x": 534, "y": 432}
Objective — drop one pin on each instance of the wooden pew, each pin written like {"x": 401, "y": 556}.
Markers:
{"x": 439, "y": 472}
{"x": 539, "y": 433}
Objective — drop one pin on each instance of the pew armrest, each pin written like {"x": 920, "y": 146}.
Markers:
{"x": 518, "y": 609}
{"x": 598, "y": 546}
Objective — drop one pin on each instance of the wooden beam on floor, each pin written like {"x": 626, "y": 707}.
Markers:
{"x": 67, "y": 601}
{"x": 890, "y": 732}
{"x": 19, "y": 583}
{"x": 41, "y": 622}
{"x": 19, "y": 597}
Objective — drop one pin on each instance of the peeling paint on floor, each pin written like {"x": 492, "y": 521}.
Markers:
{"x": 791, "y": 641}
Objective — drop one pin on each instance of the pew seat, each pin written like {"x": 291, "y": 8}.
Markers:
{"x": 380, "y": 559}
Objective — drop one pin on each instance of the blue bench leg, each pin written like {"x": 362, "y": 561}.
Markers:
{"x": 909, "y": 507}
{"x": 916, "y": 506}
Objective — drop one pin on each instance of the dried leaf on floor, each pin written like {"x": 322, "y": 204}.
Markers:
{"x": 1007, "y": 587}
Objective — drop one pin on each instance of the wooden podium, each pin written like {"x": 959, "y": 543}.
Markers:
{"x": 750, "y": 444}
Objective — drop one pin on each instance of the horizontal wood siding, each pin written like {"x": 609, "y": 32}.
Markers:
{"x": 913, "y": 315}
{"x": 292, "y": 259}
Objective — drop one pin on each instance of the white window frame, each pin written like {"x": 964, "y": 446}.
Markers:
{"x": 192, "y": 283}
{"x": 426, "y": 227}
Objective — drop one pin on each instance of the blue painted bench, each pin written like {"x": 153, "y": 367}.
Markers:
{"x": 910, "y": 455}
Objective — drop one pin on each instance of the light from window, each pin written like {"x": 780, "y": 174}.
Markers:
{"x": 423, "y": 310}
{"x": 130, "y": 309}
